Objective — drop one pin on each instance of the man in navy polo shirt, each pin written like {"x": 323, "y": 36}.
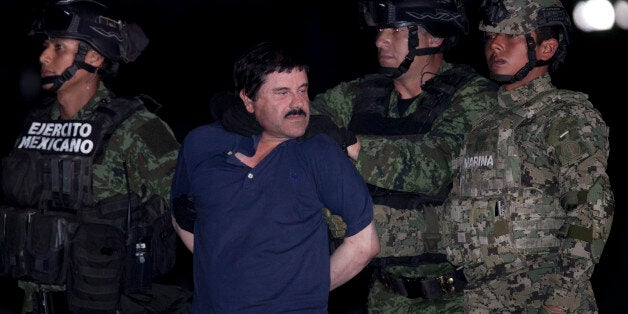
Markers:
{"x": 259, "y": 238}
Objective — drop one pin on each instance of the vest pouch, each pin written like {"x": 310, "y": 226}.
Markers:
{"x": 21, "y": 178}
{"x": 97, "y": 257}
{"x": 138, "y": 265}
{"x": 13, "y": 235}
{"x": 164, "y": 237}
{"x": 47, "y": 248}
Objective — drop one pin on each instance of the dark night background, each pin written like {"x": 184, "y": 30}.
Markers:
{"x": 194, "y": 43}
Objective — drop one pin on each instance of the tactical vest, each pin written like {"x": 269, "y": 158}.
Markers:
{"x": 54, "y": 232}
{"x": 370, "y": 113}
{"x": 500, "y": 218}
{"x": 372, "y": 103}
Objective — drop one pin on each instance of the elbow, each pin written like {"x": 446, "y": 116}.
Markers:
{"x": 372, "y": 248}
{"x": 375, "y": 248}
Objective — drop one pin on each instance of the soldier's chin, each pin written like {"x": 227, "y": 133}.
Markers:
{"x": 47, "y": 86}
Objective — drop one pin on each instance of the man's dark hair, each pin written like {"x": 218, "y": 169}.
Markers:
{"x": 251, "y": 68}
{"x": 547, "y": 32}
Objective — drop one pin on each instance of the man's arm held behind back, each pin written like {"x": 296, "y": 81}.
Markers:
{"x": 353, "y": 255}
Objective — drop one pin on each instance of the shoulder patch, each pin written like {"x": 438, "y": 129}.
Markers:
{"x": 157, "y": 138}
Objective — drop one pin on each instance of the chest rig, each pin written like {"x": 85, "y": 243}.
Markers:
{"x": 50, "y": 168}
{"x": 371, "y": 116}
{"x": 54, "y": 232}
{"x": 371, "y": 106}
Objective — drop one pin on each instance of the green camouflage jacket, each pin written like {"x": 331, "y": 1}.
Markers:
{"x": 420, "y": 166}
{"x": 408, "y": 163}
{"x": 144, "y": 142}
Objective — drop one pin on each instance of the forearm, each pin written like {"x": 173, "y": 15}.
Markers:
{"x": 336, "y": 102}
{"x": 405, "y": 164}
{"x": 353, "y": 255}
{"x": 186, "y": 237}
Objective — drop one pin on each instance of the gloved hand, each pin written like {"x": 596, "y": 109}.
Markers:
{"x": 230, "y": 111}
{"x": 323, "y": 124}
{"x": 184, "y": 212}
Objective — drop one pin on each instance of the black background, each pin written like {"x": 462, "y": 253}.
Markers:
{"x": 193, "y": 45}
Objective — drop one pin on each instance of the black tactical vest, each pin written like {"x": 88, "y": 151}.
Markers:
{"x": 53, "y": 230}
{"x": 372, "y": 102}
{"x": 370, "y": 112}
{"x": 50, "y": 167}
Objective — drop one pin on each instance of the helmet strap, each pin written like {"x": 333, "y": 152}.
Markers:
{"x": 58, "y": 80}
{"x": 413, "y": 42}
{"x": 532, "y": 63}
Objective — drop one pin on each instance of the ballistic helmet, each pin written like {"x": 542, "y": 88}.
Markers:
{"x": 441, "y": 18}
{"x": 90, "y": 21}
{"x": 522, "y": 17}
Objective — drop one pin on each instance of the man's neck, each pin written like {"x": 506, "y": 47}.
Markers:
{"x": 265, "y": 145}
{"x": 73, "y": 101}
{"x": 409, "y": 84}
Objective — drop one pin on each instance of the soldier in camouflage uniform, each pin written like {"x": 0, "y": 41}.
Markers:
{"x": 531, "y": 206}
{"x": 92, "y": 171}
{"x": 410, "y": 120}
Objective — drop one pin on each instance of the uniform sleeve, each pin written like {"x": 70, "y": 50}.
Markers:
{"x": 579, "y": 138}
{"x": 337, "y": 103}
{"x": 423, "y": 165}
{"x": 152, "y": 155}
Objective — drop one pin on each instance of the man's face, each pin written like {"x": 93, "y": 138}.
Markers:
{"x": 58, "y": 54}
{"x": 282, "y": 105}
{"x": 505, "y": 54}
{"x": 392, "y": 46}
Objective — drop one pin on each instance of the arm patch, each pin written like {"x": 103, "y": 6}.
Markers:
{"x": 157, "y": 138}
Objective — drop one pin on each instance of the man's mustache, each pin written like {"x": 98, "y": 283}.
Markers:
{"x": 296, "y": 111}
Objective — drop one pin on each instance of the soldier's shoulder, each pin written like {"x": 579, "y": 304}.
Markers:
{"x": 147, "y": 127}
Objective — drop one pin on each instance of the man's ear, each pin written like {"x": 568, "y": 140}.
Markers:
{"x": 435, "y": 42}
{"x": 94, "y": 58}
{"x": 547, "y": 49}
{"x": 248, "y": 102}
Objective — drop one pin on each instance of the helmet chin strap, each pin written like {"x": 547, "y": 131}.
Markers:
{"x": 532, "y": 63}
{"x": 58, "y": 80}
{"x": 413, "y": 41}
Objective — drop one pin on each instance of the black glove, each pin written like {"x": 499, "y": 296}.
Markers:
{"x": 230, "y": 111}
{"x": 184, "y": 212}
{"x": 323, "y": 124}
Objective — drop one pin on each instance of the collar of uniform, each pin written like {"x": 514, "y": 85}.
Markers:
{"x": 521, "y": 96}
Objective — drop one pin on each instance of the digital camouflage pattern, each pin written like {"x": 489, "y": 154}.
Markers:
{"x": 144, "y": 142}
{"x": 383, "y": 301}
{"x": 411, "y": 164}
{"x": 520, "y": 17}
{"x": 531, "y": 205}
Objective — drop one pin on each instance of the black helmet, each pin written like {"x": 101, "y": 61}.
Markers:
{"x": 91, "y": 22}
{"x": 441, "y": 18}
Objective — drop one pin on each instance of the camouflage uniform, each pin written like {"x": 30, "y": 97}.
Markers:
{"x": 87, "y": 223}
{"x": 531, "y": 205}
{"x": 408, "y": 163}
{"x": 143, "y": 142}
